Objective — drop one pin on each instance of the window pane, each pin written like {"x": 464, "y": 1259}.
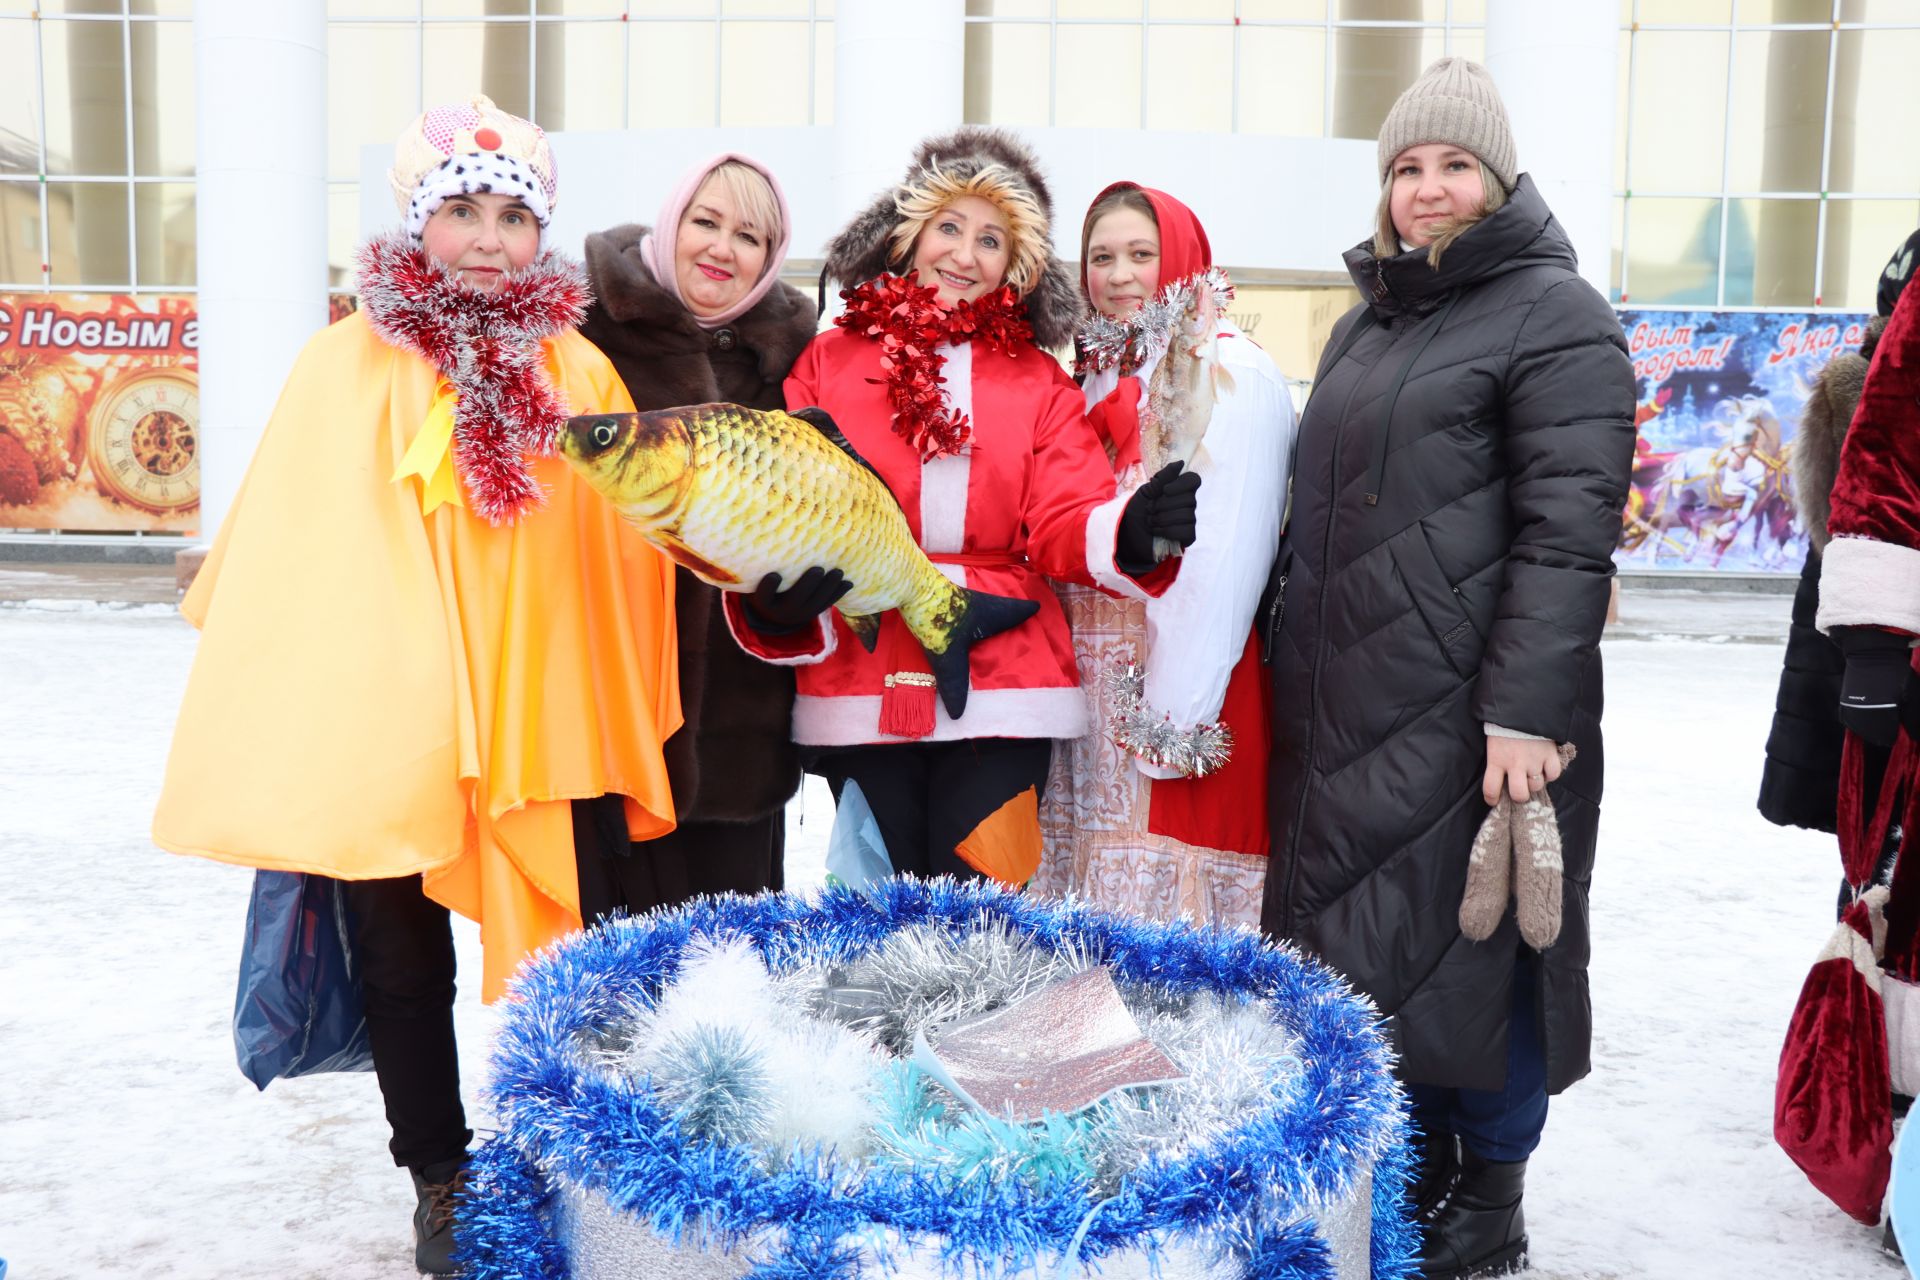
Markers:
{"x": 823, "y": 73}
{"x": 1621, "y": 102}
{"x": 1007, "y": 8}
{"x": 20, "y": 233}
{"x": 1190, "y": 78}
{"x": 1779, "y": 110}
{"x": 1861, "y": 236}
{"x": 1469, "y": 11}
{"x": 1770, "y": 248}
{"x": 372, "y": 90}
{"x": 1674, "y": 255}
{"x": 86, "y": 95}
{"x": 1097, "y": 8}
{"x": 19, "y": 100}
{"x": 1390, "y": 10}
{"x": 1760, "y": 12}
{"x": 1283, "y": 81}
{"x": 343, "y": 233}
{"x": 581, "y": 75}
{"x": 1099, "y": 70}
{"x": 765, "y": 8}
{"x": 1680, "y": 110}
{"x": 1006, "y": 73}
{"x": 1619, "y": 239}
{"x": 760, "y": 65}
{"x": 162, "y": 98}
{"x": 488, "y": 57}
{"x": 1371, "y": 68}
{"x": 87, "y": 230}
{"x": 670, "y": 75}
{"x": 1469, "y": 44}
{"x": 1283, "y": 10}
{"x": 373, "y": 8}
{"x": 581, "y": 8}
{"x": 1686, "y": 11}
{"x": 1191, "y": 10}
{"x": 1874, "y": 86}
{"x": 474, "y": 8}
{"x": 163, "y": 213}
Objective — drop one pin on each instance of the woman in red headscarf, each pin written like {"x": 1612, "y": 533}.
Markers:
{"x": 1161, "y": 809}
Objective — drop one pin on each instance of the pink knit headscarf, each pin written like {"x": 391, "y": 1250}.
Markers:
{"x": 657, "y": 246}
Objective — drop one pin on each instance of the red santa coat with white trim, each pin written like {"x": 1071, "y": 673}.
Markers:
{"x": 1870, "y": 574}
{"x": 1034, "y": 487}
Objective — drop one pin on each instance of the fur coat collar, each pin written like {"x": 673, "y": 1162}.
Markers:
{"x": 1823, "y": 429}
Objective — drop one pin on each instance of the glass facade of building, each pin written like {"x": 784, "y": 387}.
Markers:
{"x": 1763, "y": 147}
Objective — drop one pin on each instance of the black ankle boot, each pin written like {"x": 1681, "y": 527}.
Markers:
{"x": 436, "y": 1186}
{"x": 1436, "y": 1164}
{"x": 1477, "y": 1229}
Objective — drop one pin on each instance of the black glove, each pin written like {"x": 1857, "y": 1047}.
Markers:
{"x": 774, "y": 612}
{"x": 1870, "y": 692}
{"x": 1163, "y": 507}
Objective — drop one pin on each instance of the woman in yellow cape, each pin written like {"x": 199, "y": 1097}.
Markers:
{"x": 422, "y": 636}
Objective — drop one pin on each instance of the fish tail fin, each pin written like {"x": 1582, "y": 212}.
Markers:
{"x": 980, "y": 617}
{"x": 865, "y": 628}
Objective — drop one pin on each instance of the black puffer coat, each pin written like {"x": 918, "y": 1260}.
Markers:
{"x": 734, "y": 761}
{"x": 1457, "y": 494}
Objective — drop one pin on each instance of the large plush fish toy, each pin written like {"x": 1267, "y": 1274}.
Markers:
{"x": 734, "y": 494}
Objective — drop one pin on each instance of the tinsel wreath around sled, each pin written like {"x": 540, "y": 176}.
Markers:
{"x": 728, "y": 1091}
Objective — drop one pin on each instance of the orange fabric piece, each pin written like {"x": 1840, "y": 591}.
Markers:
{"x": 381, "y": 693}
{"x": 1006, "y": 844}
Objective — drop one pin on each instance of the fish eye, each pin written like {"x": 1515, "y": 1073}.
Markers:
{"x": 603, "y": 433}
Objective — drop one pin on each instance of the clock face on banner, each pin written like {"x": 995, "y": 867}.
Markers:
{"x": 143, "y": 440}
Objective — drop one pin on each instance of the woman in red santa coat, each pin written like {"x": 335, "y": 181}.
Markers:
{"x": 938, "y": 374}
{"x": 1161, "y": 809}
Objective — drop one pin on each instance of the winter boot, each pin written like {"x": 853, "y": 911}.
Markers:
{"x": 1477, "y": 1229}
{"x": 1436, "y": 1164}
{"x": 436, "y": 1186}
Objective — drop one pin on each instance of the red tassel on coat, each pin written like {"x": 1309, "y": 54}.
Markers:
{"x": 907, "y": 705}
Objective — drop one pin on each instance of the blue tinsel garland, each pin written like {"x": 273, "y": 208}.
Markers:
{"x": 608, "y": 1133}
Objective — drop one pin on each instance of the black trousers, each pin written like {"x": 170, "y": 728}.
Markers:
{"x": 617, "y": 875}
{"x": 929, "y": 796}
{"x": 404, "y": 943}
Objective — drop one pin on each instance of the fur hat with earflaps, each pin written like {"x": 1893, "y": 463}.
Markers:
{"x": 971, "y": 161}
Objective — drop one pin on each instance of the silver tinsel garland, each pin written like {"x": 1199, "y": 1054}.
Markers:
{"x": 1137, "y": 729}
{"x": 1142, "y": 336}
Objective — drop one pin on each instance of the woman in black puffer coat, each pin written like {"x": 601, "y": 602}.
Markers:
{"x": 1462, "y": 467}
{"x": 691, "y": 312}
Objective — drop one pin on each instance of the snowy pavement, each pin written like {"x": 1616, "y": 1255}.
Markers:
{"x": 131, "y": 1146}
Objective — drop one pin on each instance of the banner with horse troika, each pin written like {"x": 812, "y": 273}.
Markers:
{"x": 1720, "y": 398}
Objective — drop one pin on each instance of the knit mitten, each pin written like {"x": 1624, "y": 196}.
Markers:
{"x": 1517, "y": 850}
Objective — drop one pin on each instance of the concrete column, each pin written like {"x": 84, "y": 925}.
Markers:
{"x": 260, "y": 77}
{"x": 1557, "y": 63}
{"x": 897, "y": 77}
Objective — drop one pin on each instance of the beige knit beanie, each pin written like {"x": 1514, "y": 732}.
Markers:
{"x": 1454, "y": 101}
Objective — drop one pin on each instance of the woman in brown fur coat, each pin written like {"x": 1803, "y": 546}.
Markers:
{"x": 692, "y": 311}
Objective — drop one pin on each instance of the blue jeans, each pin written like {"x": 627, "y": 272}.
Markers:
{"x": 1501, "y": 1124}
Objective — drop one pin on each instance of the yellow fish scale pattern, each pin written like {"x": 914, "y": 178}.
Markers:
{"x": 850, "y": 520}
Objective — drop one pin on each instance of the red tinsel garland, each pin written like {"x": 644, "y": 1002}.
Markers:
{"x": 910, "y": 325}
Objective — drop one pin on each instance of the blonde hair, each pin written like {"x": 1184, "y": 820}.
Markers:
{"x": 753, "y": 198}
{"x": 1386, "y": 236}
{"x": 920, "y": 203}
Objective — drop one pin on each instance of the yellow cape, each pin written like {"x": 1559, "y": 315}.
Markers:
{"x": 381, "y": 693}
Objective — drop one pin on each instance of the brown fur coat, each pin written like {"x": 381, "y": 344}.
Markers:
{"x": 735, "y": 760}
{"x": 1823, "y": 428}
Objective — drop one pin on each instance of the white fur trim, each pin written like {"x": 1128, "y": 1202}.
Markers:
{"x": 1868, "y": 583}
{"x": 469, "y": 174}
{"x": 991, "y": 713}
{"x": 827, "y": 638}
{"x": 943, "y": 481}
{"x": 1103, "y": 540}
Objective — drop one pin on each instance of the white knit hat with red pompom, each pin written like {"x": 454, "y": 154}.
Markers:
{"x": 470, "y": 149}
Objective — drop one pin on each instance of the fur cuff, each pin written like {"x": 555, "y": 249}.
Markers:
{"x": 1868, "y": 583}
{"x": 801, "y": 649}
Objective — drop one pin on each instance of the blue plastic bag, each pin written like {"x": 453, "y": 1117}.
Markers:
{"x": 856, "y": 852}
{"x": 298, "y": 1011}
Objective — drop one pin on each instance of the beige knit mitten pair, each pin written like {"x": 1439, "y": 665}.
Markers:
{"x": 1517, "y": 852}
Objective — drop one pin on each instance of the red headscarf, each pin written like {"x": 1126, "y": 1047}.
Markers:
{"x": 1184, "y": 252}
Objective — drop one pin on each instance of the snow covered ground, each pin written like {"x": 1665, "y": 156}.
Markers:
{"x": 131, "y": 1146}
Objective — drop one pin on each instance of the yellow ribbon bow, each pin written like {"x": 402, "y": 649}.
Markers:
{"x": 430, "y": 456}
